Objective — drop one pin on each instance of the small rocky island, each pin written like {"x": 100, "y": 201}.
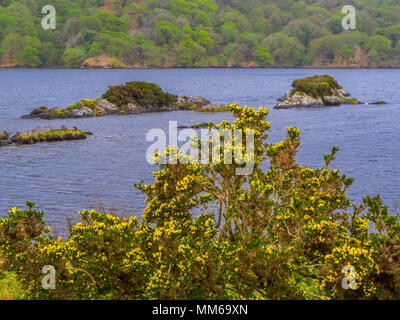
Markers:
{"x": 316, "y": 91}
{"x": 133, "y": 97}
{"x": 39, "y": 134}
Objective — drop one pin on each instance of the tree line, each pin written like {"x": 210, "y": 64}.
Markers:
{"x": 200, "y": 33}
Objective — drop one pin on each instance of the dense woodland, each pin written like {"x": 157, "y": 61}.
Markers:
{"x": 200, "y": 33}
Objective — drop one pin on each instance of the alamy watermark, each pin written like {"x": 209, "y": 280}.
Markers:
{"x": 349, "y": 21}
{"x": 349, "y": 280}
{"x": 49, "y": 280}
{"x": 49, "y": 20}
{"x": 210, "y": 147}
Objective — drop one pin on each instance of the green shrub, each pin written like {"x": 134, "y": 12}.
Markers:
{"x": 50, "y": 136}
{"x": 141, "y": 93}
{"x": 349, "y": 100}
{"x": 316, "y": 86}
{"x": 74, "y": 106}
{"x": 91, "y": 104}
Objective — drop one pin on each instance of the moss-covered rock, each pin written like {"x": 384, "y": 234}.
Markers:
{"x": 49, "y": 136}
{"x": 315, "y": 91}
{"x": 316, "y": 86}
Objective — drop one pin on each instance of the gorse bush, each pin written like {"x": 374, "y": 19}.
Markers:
{"x": 286, "y": 232}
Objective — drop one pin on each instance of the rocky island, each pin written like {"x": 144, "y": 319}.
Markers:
{"x": 316, "y": 91}
{"x": 39, "y": 134}
{"x": 133, "y": 97}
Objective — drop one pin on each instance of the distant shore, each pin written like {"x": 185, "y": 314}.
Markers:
{"x": 162, "y": 68}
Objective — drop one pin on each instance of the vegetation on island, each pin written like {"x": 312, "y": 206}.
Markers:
{"x": 200, "y": 33}
{"x": 139, "y": 93}
{"x": 284, "y": 232}
{"x": 316, "y": 86}
{"x": 316, "y": 91}
{"x": 212, "y": 108}
{"x": 40, "y": 134}
{"x": 51, "y": 136}
{"x": 130, "y": 98}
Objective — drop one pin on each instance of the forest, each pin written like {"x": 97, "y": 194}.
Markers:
{"x": 199, "y": 33}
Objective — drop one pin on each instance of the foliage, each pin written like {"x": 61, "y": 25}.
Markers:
{"x": 316, "y": 86}
{"x": 282, "y": 232}
{"x": 198, "y": 33}
{"x": 38, "y": 135}
{"x": 140, "y": 93}
{"x": 264, "y": 58}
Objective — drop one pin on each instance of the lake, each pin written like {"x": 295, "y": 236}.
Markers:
{"x": 65, "y": 177}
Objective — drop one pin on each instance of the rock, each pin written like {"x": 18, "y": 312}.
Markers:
{"x": 197, "y": 101}
{"x": 107, "y": 107}
{"x": 315, "y": 91}
{"x": 331, "y": 101}
{"x": 379, "y": 102}
{"x": 6, "y": 142}
{"x": 298, "y": 99}
{"x": 15, "y": 137}
{"x": 36, "y": 113}
{"x": 342, "y": 93}
{"x": 81, "y": 113}
{"x": 133, "y": 109}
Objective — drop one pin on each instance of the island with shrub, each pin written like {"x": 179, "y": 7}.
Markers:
{"x": 133, "y": 97}
{"x": 317, "y": 91}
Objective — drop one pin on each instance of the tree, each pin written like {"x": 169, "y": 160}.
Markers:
{"x": 287, "y": 51}
{"x": 229, "y": 32}
{"x": 392, "y": 33}
{"x": 347, "y": 52}
{"x": 303, "y": 30}
{"x": 73, "y": 57}
{"x": 325, "y": 48}
{"x": 379, "y": 48}
{"x": 49, "y": 55}
{"x": 143, "y": 48}
{"x": 190, "y": 52}
{"x": 202, "y": 18}
{"x": 20, "y": 49}
{"x": 95, "y": 49}
{"x": 264, "y": 58}
{"x": 11, "y": 45}
{"x": 166, "y": 33}
{"x": 30, "y": 56}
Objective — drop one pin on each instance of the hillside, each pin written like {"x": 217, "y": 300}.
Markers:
{"x": 200, "y": 33}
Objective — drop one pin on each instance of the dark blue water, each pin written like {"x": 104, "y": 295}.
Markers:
{"x": 68, "y": 176}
